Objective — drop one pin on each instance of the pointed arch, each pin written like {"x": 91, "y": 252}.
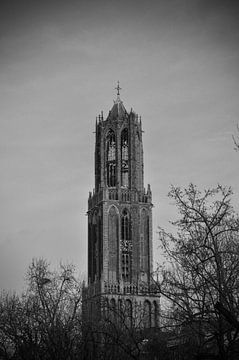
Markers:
{"x": 144, "y": 241}
{"x": 128, "y": 313}
{"x": 111, "y": 145}
{"x": 94, "y": 245}
{"x": 147, "y": 314}
{"x": 113, "y": 208}
{"x": 100, "y": 244}
{"x": 106, "y": 307}
{"x": 113, "y": 229}
{"x": 125, "y": 158}
{"x": 113, "y": 309}
{"x": 139, "y": 161}
{"x": 111, "y": 158}
{"x": 113, "y": 304}
{"x": 155, "y": 313}
{"x": 125, "y": 225}
{"x": 120, "y": 311}
{"x": 126, "y": 246}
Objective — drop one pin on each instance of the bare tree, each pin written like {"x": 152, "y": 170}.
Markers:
{"x": 121, "y": 331}
{"x": 45, "y": 321}
{"x": 203, "y": 269}
{"x": 236, "y": 139}
{"x": 118, "y": 332}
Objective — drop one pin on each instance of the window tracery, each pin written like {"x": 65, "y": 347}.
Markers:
{"x": 113, "y": 243}
{"x": 128, "y": 313}
{"x": 124, "y": 158}
{"x": 155, "y": 313}
{"x": 126, "y": 246}
{"x": 147, "y": 314}
{"x": 112, "y": 309}
{"x": 144, "y": 241}
{"x": 111, "y": 159}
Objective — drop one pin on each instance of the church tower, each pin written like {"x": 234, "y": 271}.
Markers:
{"x": 120, "y": 257}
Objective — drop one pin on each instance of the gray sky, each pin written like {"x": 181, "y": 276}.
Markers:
{"x": 178, "y": 64}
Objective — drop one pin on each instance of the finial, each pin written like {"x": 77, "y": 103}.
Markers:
{"x": 118, "y": 88}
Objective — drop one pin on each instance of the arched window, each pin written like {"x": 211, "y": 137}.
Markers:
{"x": 113, "y": 304}
{"x": 106, "y": 308}
{"x": 100, "y": 247}
{"x": 155, "y": 313}
{"x": 113, "y": 244}
{"x": 144, "y": 241}
{"x": 120, "y": 306}
{"x": 138, "y": 162}
{"x": 126, "y": 246}
{"x": 128, "y": 313}
{"x": 111, "y": 146}
{"x": 120, "y": 311}
{"x": 94, "y": 245}
{"x": 147, "y": 314}
{"x": 111, "y": 158}
{"x": 124, "y": 158}
{"x": 113, "y": 309}
{"x": 125, "y": 225}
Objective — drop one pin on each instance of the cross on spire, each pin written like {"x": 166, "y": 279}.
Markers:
{"x": 118, "y": 88}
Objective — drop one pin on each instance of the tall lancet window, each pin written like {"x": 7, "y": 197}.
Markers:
{"x": 125, "y": 158}
{"x": 111, "y": 159}
{"x": 126, "y": 247}
{"x": 144, "y": 241}
{"x": 113, "y": 245}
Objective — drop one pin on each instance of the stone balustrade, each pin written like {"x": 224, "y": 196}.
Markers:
{"x": 118, "y": 194}
{"x": 120, "y": 288}
{"x": 130, "y": 289}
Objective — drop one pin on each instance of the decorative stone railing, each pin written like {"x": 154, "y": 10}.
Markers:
{"x": 120, "y": 288}
{"x": 118, "y": 194}
{"x": 130, "y": 289}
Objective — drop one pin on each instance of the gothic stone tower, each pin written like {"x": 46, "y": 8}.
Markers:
{"x": 120, "y": 215}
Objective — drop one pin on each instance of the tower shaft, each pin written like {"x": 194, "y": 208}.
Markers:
{"x": 120, "y": 256}
{"x": 119, "y": 210}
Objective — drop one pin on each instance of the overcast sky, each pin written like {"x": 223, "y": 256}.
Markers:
{"x": 178, "y": 65}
